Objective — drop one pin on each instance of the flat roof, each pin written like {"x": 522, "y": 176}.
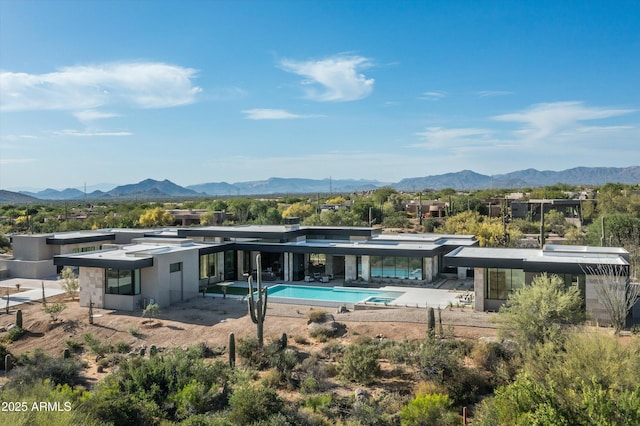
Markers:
{"x": 130, "y": 256}
{"x": 574, "y": 261}
{"x": 76, "y": 237}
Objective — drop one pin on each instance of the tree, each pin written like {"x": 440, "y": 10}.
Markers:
{"x": 538, "y": 313}
{"x": 156, "y": 217}
{"x": 69, "y": 282}
{"x": 301, "y": 210}
{"x": 616, "y": 294}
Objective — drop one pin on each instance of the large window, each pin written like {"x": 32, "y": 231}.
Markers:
{"x": 499, "y": 283}
{"x": 396, "y": 267}
{"x": 207, "y": 266}
{"x": 230, "y": 265}
{"x": 123, "y": 281}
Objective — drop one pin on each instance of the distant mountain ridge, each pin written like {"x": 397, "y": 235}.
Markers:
{"x": 462, "y": 180}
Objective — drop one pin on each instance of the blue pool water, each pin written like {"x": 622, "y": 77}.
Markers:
{"x": 331, "y": 294}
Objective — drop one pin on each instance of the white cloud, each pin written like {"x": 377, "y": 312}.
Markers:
{"x": 91, "y": 114}
{"x": 7, "y": 161}
{"x": 550, "y": 119}
{"x": 433, "y": 96}
{"x": 273, "y": 114}
{"x": 488, "y": 93}
{"x": 79, "y": 88}
{"x": 438, "y": 137}
{"x": 338, "y": 76}
{"x": 90, "y": 133}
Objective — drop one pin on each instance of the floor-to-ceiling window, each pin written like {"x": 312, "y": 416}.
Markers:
{"x": 123, "y": 281}
{"x": 499, "y": 282}
{"x": 396, "y": 267}
{"x": 207, "y": 266}
{"x": 230, "y": 265}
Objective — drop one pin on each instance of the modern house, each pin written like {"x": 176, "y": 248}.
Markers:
{"x": 499, "y": 271}
{"x": 120, "y": 268}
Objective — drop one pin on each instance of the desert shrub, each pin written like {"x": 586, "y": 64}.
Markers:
{"x": 317, "y": 316}
{"x": 249, "y": 350}
{"x": 200, "y": 350}
{"x": 367, "y": 414}
{"x": 253, "y": 404}
{"x": 151, "y": 310}
{"x": 170, "y": 386}
{"x": 122, "y": 347}
{"x": 206, "y": 420}
{"x": 95, "y": 345}
{"x": 429, "y": 409}
{"x": 3, "y": 353}
{"x": 333, "y": 349}
{"x": 134, "y": 331}
{"x": 360, "y": 364}
{"x": 14, "y": 334}
{"x": 487, "y": 355}
{"x": 39, "y": 366}
{"x": 309, "y": 385}
{"x": 54, "y": 310}
{"x": 300, "y": 339}
{"x": 73, "y": 345}
{"x": 397, "y": 352}
{"x": 440, "y": 361}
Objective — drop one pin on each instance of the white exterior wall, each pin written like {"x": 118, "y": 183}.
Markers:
{"x": 156, "y": 281}
{"x": 32, "y": 247}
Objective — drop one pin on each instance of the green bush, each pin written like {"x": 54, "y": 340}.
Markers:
{"x": 14, "y": 334}
{"x": 73, "y": 345}
{"x": 39, "y": 366}
{"x": 429, "y": 409}
{"x": 96, "y": 346}
{"x": 253, "y": 404}
{"x": 360, "y": 364}
{"x": 3, "y": 353}
{"x": 172, "y": 386}
{"x": 54, "y": 310}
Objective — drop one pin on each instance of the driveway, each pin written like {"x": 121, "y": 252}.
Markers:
{"x": 30, "y": 290}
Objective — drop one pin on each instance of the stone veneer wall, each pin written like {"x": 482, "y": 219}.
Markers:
{"x": 478, "y": 286}
{"x": 92, "y": 286}
{"x": 350, "y": 267}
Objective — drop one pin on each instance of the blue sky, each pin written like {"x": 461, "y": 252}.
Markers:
{"x": 206, "y": 91}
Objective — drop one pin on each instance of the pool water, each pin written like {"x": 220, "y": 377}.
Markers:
{"x": 332, "y": 294}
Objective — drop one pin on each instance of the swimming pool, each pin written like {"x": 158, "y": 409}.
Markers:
{"x": 331, "y": 294}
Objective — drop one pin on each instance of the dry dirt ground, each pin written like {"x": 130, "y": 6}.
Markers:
{"x": 210, "y": 320}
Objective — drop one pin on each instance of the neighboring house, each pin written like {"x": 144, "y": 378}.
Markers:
{"x": 531, "y": 210}
{"x": 500, "y": 271}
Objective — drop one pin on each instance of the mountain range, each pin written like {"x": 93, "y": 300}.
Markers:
{"x": 463, "y": 180}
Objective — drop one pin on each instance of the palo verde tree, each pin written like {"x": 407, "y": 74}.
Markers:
{"x": 69, "y": 282}
{"x": 538, "y": 313}
{"x": 258, "y": 303}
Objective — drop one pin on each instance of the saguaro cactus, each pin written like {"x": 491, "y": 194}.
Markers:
{"x": 19, "y": 318}
{"x": 431, "y": 322}
{"x": 8, "y": 363}
{"x": 232, "y": 350}
{"x": 258, "y": 303}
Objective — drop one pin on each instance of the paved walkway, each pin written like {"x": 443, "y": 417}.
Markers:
{"x": 30, "y": 290}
